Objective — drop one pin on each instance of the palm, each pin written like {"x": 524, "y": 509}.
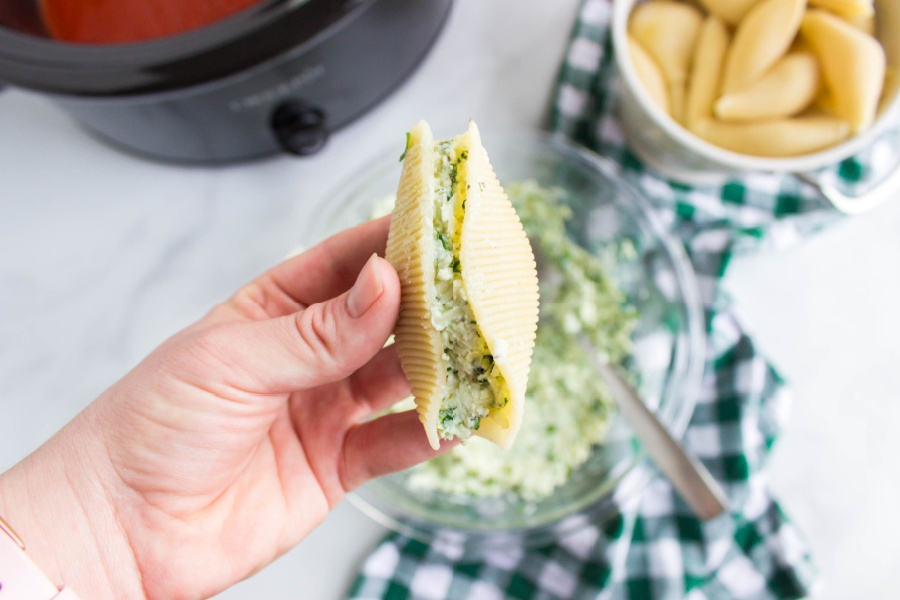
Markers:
{"x": 229, "y": 469}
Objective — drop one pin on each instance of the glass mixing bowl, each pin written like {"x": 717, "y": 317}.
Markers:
{"x": 667, "y": 361}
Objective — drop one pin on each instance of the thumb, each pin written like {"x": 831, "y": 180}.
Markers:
{"x": 322, "y": 343}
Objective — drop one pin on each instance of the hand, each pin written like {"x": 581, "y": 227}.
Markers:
{"x": 230, "y": 442}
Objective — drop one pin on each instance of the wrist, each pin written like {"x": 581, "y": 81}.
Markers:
{"x": 59, "y": 501}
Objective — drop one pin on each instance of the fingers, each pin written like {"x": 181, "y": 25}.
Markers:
{"x": 390, "y": 443}
{"x": 380, "y": 383}
{"x": 331, "y": 267}
{"x": 321, "y": 344}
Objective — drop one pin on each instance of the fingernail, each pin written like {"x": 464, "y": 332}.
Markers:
{"x": 366, "y": 290}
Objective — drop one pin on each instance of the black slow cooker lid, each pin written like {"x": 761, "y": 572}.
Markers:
{"x": 30, "y": 59}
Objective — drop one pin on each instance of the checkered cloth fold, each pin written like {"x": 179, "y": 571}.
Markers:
{"x": 656, "y": 548}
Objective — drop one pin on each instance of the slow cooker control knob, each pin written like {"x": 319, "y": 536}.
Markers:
{"x": 299, "y": 128}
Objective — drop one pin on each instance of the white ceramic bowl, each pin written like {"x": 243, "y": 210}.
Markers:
{"x": 678, "y": 154}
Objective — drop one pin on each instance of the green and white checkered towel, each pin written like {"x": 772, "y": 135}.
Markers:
{"x": 657, "y": 549}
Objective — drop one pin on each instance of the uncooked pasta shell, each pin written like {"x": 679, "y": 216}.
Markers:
{"x": 854, "y": 9}
{"x": 786, "y": 90}
{"x": 776, "y": 139}
{"x": 853, "y": 66}
{"x": 762, "y": 37}
{"x": 730, "y": 11}
{"x": 649, "y": 75}
{"x": 667, "y": 31}
{"x": 706, "y": 76}
{"x": 864, "y": 24}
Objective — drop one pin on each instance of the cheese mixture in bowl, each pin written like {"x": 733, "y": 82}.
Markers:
{"x": 567, "y": 405}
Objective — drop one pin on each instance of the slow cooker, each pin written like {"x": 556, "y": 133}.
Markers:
{"x": 279, "y": 76}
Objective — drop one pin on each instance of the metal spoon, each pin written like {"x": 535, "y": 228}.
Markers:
{"x": 687, "y": 474}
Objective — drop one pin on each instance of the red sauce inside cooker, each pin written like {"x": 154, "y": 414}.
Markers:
{"x": 118, "y": 21}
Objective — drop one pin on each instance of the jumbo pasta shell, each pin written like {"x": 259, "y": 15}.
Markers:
{"x": 495, "y": 268}
{"x": 730, "y": 11}
{"x": 649, "y": 75}
{"x": 778, "y": 138}
{"x": 706, "y": 76}
{"x": 500, "y": 275}
{"x": 762, "y": 37}
{"x": 853, "y": 65}
{"x": 668, "y": 31}
{"x": 865, "y": 24}
{"x": 853, "y": 9}
{"x": 784, "y": 91}
{"x": 409, "y": 250}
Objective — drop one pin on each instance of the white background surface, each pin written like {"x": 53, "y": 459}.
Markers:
{"x": 103, "y": 255}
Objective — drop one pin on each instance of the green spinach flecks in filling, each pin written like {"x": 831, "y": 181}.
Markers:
{"x": 474, "y": 383}
{"x": 568, "y": 406}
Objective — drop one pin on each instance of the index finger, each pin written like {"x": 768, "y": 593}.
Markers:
{"x": 385, "y": 445}
{"x": 319, "y": 274}
{"x": 330, "y": 268}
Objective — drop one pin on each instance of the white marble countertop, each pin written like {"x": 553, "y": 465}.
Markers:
{"x": 103, "y": 255}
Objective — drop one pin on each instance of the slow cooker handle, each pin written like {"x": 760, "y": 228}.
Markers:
{"x": 299, "y": 128}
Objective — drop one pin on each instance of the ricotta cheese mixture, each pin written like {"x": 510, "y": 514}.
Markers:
{"x": 474, "y": 383}
{"x": 567, "y": 404}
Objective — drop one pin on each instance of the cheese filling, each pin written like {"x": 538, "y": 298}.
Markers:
{"x": 474, "y": 384}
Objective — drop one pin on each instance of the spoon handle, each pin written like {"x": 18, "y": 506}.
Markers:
{"x": 687, "y": 474}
